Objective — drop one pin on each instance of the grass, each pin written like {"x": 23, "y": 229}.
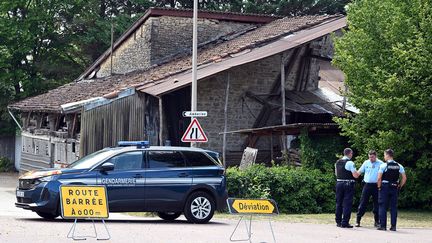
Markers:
{"x": 406, "y": 219}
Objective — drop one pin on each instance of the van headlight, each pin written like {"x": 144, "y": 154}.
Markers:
{"x": 45, "y": 178}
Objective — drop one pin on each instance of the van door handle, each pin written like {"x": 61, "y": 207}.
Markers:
{"x": 138, "y": 176}
{"x": 183, "y": 174}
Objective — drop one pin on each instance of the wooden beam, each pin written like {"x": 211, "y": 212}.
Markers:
{"x": 74, "y": 125}
{"x": 282, "y": 65}
{"x": 271, "y": 146}
{"x": 160, "y": 121}
{"x": 266, "y": 109}
{"x": 225, "y": 119}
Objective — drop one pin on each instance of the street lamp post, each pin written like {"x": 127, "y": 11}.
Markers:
{"x": 194, "y": 60}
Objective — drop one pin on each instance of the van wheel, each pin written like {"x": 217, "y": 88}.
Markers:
{"x": 49, "y": 216}
{"x": 168, "y": 215}
{"x": 199, "y": 208}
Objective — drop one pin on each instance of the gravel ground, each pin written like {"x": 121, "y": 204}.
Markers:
{"x": 17, "y": 225}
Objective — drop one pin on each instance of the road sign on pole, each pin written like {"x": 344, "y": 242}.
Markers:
{"x": 194, "y": 60}
{"x": 194, "y": 133}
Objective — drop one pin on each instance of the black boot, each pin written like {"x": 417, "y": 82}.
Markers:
{"x": 376, "y": 224}
{"x": 348, "y": 226}
{"x": 358, "y": 222}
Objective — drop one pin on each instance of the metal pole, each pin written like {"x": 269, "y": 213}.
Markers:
{"x": 225, "y": 120}
{"x": 112, "y": 45}
{"x": 194, "y": 60}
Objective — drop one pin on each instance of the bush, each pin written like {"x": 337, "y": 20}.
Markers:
{"x": 417, "y": 193}
{"x": 321, "y": 151}
{"x": 296, "y": 190}
{"x": 6, "y": 165}
{"x": 304, "y": 190}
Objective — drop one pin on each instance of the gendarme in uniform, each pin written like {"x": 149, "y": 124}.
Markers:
{"x": 370, "y": 189}
{"x": 344, "y": 191}
{"x": 389, "y": 192}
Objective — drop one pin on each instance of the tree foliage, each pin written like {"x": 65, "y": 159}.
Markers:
{"x": 46, "y": 43}
{"x": 385, "y": 56}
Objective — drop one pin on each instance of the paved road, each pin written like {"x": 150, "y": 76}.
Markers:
{"x": 17, "y": 225}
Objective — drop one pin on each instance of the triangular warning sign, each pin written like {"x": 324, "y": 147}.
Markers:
{"x": 194, "y": 133}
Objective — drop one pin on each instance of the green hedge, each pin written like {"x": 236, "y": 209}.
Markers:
{"x": 296, "y": 190}
{"x": 417, "y": 193}
{"x": 304, "y": 190}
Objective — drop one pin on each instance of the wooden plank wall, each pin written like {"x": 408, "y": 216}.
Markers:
{"x": 7, "y": 147}
{"x": 104, "y": 126}
{"x": 35, "y": 153}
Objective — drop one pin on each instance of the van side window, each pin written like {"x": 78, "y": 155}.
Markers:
{"x": 165, "y": 159}
{"x": 197, "y": 159}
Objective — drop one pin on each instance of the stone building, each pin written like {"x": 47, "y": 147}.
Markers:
{"x": 141, "y": 90}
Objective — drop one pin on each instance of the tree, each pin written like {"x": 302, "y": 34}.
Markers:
{"x": 295, "y": 7}
{"x": 46, "y": 43}
{"x": 33, "y": 49}
{"x": 386, "y": 57}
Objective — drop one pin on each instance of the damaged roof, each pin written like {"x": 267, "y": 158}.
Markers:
{"x": 186, "y": 13}
{"x": 309, "y": 102}
{"x": 226, "y": 48}
{"x": 289, "y": 129}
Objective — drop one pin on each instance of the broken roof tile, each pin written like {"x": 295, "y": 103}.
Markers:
{"x": 86, "y": 89}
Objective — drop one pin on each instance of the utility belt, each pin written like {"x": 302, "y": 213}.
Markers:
{"x": 393, "y": 184}
{"x": 370, "y": 183}
{"x": 346, "y": 181}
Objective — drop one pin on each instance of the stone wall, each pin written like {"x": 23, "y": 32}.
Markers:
{"x": 258, "y": 78}
{"x": 171, "y": 35}
{"x": 133, "y": 54}
{"x": 161, "y": 37}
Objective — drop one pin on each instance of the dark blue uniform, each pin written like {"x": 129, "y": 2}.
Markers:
{"x": 370, "y": 189}
{"x": 389, "y": 192}
{"x": 344, "y": 191}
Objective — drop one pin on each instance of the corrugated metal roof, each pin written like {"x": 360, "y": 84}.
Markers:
{"x": 331, "y": 77}
{"x": 334, "y": 98}
{"x": 298, "y": 38}
{"x": 288, "y": 129}
{"x": 309, "y": 102}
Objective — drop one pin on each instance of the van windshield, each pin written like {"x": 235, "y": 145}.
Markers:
{"x": 92, "y": 159}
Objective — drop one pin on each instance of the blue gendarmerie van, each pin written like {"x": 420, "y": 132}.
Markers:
{"x": 139, "y": 178}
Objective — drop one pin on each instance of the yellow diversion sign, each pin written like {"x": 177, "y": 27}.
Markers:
{"x": 79, "y": 201}
{"x": 252, "y": 206}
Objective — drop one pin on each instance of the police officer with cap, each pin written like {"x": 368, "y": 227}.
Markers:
{"x": 346, "y": 174}
{"x": 388, "y": 186}
{"x": 370, "y": 169}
